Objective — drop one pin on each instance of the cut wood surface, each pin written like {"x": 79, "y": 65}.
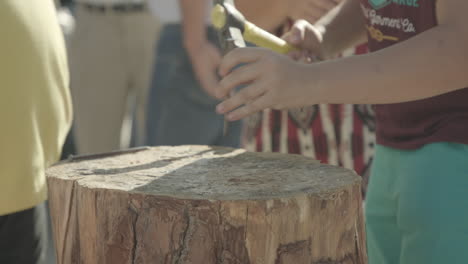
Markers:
{"x": 205, "y": 205}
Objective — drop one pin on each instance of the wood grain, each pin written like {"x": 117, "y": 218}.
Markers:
{"x": 206, "y": 205}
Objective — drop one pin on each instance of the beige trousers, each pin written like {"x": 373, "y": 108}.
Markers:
{"x": 111, "y": 58}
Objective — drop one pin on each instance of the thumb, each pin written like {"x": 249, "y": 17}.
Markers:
{"x": 310, "y": 37}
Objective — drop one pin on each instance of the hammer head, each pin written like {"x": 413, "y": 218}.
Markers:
{"x": 225, "y": 16}
{"x": 230, "y": 24}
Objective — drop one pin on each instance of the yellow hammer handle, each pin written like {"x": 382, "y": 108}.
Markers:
{"x": 262, "y": 38}
{"x": 252, "y": 33}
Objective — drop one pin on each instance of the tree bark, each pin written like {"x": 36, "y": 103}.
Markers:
{"x": 205, "y": 205}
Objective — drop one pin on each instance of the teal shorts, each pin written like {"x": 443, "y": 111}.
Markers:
{"x": 417, "y": 205}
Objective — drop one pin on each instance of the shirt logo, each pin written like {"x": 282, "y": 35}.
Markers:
{"x": 378, "y": 4}
{"x": 378, "y": 25}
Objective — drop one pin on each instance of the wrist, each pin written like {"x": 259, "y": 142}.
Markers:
{"x": 317, "y": 33}
{"x": 313, "y": 84}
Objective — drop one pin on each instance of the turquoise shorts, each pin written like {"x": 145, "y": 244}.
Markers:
{"x": 417, "y": 205}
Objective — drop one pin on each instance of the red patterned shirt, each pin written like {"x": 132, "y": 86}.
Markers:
{"x": 335, "y": 134}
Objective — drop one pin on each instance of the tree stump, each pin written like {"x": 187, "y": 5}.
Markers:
{"x": 205, "y": 205}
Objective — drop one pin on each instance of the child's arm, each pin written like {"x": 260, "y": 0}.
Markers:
{"x": 430, "y": 64}
{"x": 205, "y": 56}
{"x": 342, "y": 28}
{"x": 271, "y": 14}
{"x": 267, "y": 14}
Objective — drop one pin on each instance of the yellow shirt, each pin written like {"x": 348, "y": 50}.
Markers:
{"x": 35, "y": 107}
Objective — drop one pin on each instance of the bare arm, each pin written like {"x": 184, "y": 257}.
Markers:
{"x": 342, "y": 28}
{"x": 193, "y": 23}
{"x": 270, "y": 14}
{"x": 429, "y": 64}
{"x": 267, "y": 14}
{"x": 205, "y": 57}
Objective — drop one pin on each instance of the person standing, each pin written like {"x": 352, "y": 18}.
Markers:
{"x": 111, "y": 54}
{"x": 415, "y": 75}
{"x": 35, "y": 109}
{"x": 181, "y": 100}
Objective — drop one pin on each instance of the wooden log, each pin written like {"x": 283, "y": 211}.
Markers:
{"x": 205, "y": 205}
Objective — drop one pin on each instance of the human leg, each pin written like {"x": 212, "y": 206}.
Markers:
{"x": 433, "y": 206}
{"x": 24, "y": 236}
{"x": 383, "y": 237}
{"x": 98, "y": 81}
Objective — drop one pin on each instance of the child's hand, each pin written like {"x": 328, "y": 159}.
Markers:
{"x": 205, "y": 60}
{"x": 307, "y": 37}
{"x": 273, "y": 81}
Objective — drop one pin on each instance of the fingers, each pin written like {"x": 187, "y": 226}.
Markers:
{"x": 303, "y": 56}
{"x": 205, "y": 67}
{"x": 303, "y": 35}
{"x": 209, "y": 81}
{"x": 297, "y": 33}
{"x": 239, "y": 76}
{"x": 239, "y": 56}
{"x": 245, "y": 95}
{"x": 251, "y": 108}
{"x": 295, "y": 55}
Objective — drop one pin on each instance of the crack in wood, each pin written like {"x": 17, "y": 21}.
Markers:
{"x": 220, "y": 215}
{"x": 246, "y": 222}
{"x": 76, "y": 158}
{"x": 360, "y": 251}
{"x": 294, "y": 248}
{"x": 356, "y": 242}
{"x": 348, "y": 258}
{"x": 135, "y": 240}
{"x": 96, "y": 194}
{"x": 186, "y": 236}
{"x": 219, "y": 254}
{"x": 229, "y": 253}
{"x": 67, "y": 225}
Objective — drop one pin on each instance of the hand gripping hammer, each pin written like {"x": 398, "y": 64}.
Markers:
{"x": 234, "y": 30}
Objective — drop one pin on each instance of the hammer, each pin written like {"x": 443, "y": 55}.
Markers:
{"x": 225, "y": 17}
{"x": 229, "y": 38}
{"x": 233, "y": 30}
